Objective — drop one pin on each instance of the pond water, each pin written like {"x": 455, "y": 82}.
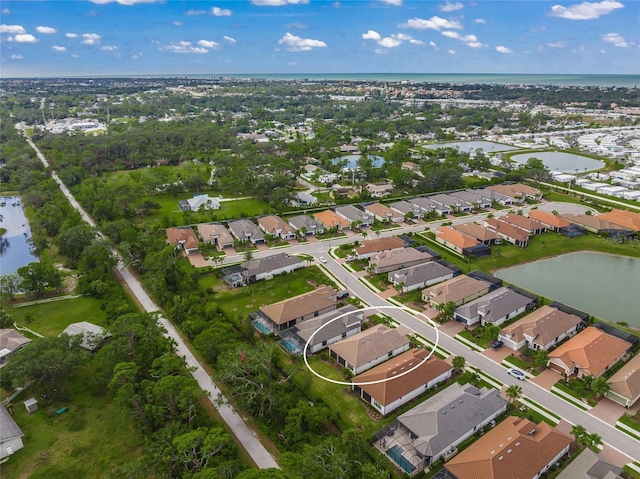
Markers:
{"x": 472, "y": 146}
{"x": 352, "y": 161}
{"x": 604, "y": 285}
{"x": 18, "y": 251}
{"x": 563, "y": 162}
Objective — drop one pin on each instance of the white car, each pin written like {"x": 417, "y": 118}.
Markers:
{"x": 323, "y": 259}
{"x": 516, "y": 373}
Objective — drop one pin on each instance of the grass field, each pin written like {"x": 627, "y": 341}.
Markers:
{"x": 50, "y": 319}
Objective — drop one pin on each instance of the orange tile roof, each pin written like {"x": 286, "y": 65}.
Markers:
{"x": 517, "y": 189}
{"x": 477, "y": 231}
{"x": 183, "y": 235}
{"x": 515, "y": 448}
{"x": 543, "y": 325}
{"x": 456, "y": 238}
{"x": 592, "y": 350}
{"x": 508, "y": 229}
{"x": 396, "y": 387}
{"x": 523, "y": 222}
{"x": 380, "y": 244}
{"x": 626, "y": 382}
{"x": 625, "y": 218}
{"x": 331, "y": 219}
{"x": 549, "y": 219}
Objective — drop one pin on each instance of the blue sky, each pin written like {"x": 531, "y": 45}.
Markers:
{"x": 139, "y": 37}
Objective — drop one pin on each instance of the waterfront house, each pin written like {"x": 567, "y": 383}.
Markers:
{"x": 458, "y": 290}
{"x": 183, "y": 237}
{"x": 624, "y": 386}
{"x": 625, "y": 218}
{"x": 246, "y": 230}
{"x": 529, "y": 225}
{"x": 215, "y": 233}
{"x": 508, "y": 232}
{"x": 484, "y": 235}
{"x": 460, "y": 242}
{"x": 598, "y": 225}
{"x": 420, "y": 276}
{"x": 551, "y": 221}
{"x": 494, "y": 308}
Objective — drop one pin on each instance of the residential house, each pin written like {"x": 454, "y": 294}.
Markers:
{"x": 397, "y": 259}
{"x": 331, "y": 220}
{"x": 286, "y": 313}
{"x": 420, "y": 276}
{"x": 517, "y": 191}
{"x": 484, "y": 235}
{"x": 215, "y": 233}
{"x": 277, "y": 227}
{"x": 460, "y": 242}
{"x": 183, "y": 237}
{"x": 430, "y": 430}
{"x": 305, "y": 199}
{"x": 427, "y": 205}
{"x": 92, "y": 334}
{"x": 551, "y": 221}
{"x": 541, "y": 329}
{"x": 589, "y": 353}
{"x": 376, "y": 246}
{"x": 410, "y": 166}
{"x": 528, "y": 225}
{"x": 246, "y": 230}
{"x": 261, "y": 268}
{"x": 319, "y": 332}
{"x": 458, "y": 290}
{"x": 516, "y": 447}
{"x": 589, "y": 465}
{"x": 625, "y": 218}
{"x": 477, "y": 202}
{"x": 624, "y": 386}
{"x": 494, "y": 308}
{"x": 454, "y": 205}
{"x": 306, "y": 226}
{"x": 339, "y": 191}
{"x": 397, "y": 381}
{"x": 405, "y": 208}
{"x": 10, "y": 435}
{"x": 508, "y": 232}
{"x": 10, "y": 342}
{"x": 383, "y": 213}
{"x": 203, "y": 202}
{"x": 354, "y": 216}
{"x": 370, "y": 347}
{"x": 597, "y": 225}
{"x": 490, "y": 195}
{"x": 379, "y": 190}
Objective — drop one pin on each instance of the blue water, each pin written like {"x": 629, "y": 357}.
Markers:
{"x": 560, "y": 161}
{"x": 352, "y": 161}
{"x": 395, "y": 453}
{"x": 19, "y": 252}
{"x": 261, "y": 327}
{"x": 472, "y": 146}
{"x": 291, "y": 346}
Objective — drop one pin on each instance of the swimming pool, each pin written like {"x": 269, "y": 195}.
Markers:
{"x": 395, "y": 453}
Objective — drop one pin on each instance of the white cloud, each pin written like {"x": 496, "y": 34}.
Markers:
{"x": 296, "y": 26}
{"x": 556, "y": 45}
{"x": 371, "y": 35}
{"x": 451, "y": 52}
{"x": 296, "y": 44}
{"x": 389, "y": 42}
{"x": 58, "y": 48}
{"x": 380, "y": 51}
{"x": 451, "y": 7}
{"x": 480, "y": 20}
{"x": 12, "y": 29}
{"x": 16, "y": 56}
{"x": 585, "y": 10}
{"x": 277, "y": 3}
{"x": 208, "y": 44}
{"x": 75, "y": 56}
{"x": 5, "y": 11}
{"x": 616, "y": 39}
{"x": 221, "y": 12}
{"x": 502, "y": 49}
{"x": 229, "y": 39}
{"x": 109, "y": 48}
{"x": 91, "y": 38}
{"x": 395, "y": 3}
{"x": 136, "y": 56}
{"x": 23, "y": 38}
{"x": 433, "y": 44}
{"x": 416, "y": 42}
{"x": 126, "y": 3}
{"x": 470, "y": 40}
{"x": 434, "y": 23}
{"x": 196, "y": 12}
{"x": 46, "y": 30}
{"x": 71, "y": 35}
{"x": 183, "y": 47}
{"x": 178, "y": 23}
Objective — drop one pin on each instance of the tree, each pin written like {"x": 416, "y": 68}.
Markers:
{"x": 447, "y": 311}
{"x": 600, "y": 386}
{"x": 593, "y": 441}
{"x": 513, "y": 392}
{"x": 9, "y": 285}
{"x": 37, "y": 277}
{"x": 458, "y": 363}
{"x": 196, "y": 450}
{"x": 540, "y": 358}
{"x": 6, "y": 320}
{"x": 578, "y": 432}
{"x": 248, "y": 255}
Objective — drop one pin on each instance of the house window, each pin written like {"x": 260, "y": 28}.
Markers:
{"x": 390, "y": 353}
{"x": 344, "y": 335}
{"x": 324, "y": 343}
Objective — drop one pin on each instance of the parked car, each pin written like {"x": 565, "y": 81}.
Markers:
{"x": 496, "y": 345}
{"x": 323, "y": 259}
{"x": 516, "y": 373}
{"x": 342, "y": 294}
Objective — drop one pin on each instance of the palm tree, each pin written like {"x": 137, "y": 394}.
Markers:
{"x": 446, "y": 310}
{"x": 600, "y": 386}
{"x": 458, "y": 363}
{"x": 513, "y": 392}
{"x": 593, "y": 441}
{"x": 578, "y": 432}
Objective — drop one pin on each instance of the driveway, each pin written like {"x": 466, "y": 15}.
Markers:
{"x": 546, "y": 379}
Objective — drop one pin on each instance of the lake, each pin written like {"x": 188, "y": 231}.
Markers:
{"x": 352, "y": 161}
{"x": 18, "y": 253}
{"x": 604, "y": 285}
{"x": 560, "y": 161}
{"x": 472, "y": 146}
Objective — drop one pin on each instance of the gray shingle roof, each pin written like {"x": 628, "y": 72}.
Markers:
{"x": 421, "y": 273}
{"x": 305, "y": 329}
{"x": 8, "y": 427}
{"x": 494, "y": 305}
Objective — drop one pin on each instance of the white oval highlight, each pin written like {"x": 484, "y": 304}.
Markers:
{"x": 377, "y": 308}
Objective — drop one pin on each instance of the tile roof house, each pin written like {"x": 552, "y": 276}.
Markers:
{"x": 261, "y": 268}
{"x": 401, "y": 258}
{"x": 624, "y": 218}
{"x": 514, "y": 448}
{"x": 246, "y": 230}
{"x": 307, "y": 225}
{"x": 404, "y": 208}
{"x": 529, "y": 225}
{"x": 541, "y": 329}
{"x": 459, "y": 290}
{"x": 517, "y": 191}
{"x": 277, "y": 227}
{"x": 10, "y": 435}
{"x": 484, "y": 235}
{"x": 624, "y": 386}
{"x": 10, "y": 342}
{"x": 330, "y": 219}
{"x": 378, "y": 190}
{"x": 324, "y": 330}
{"x": 425, "y": 433}
{"x": 461, "y": 242}
{"x": 508, "y": 232}
{"x": 183, "y": 237}
{"x": 598, "y": 225}
{"x": 494, "y": 308}
{"x": 92, "y": 334}
{"x": 369, "y": 248}
{"x": 589, "y": 465}
{"x": 286, "y": 313}
{"x": 474, "y": 200}
{"x": 589, "y": 353}
{"x": 398, "y": 386}
{"x": 215, "y": 233}
{"x": 420, "y": 276}
{"x": 354, "y": 216}
{"x": 383, "y": 213}
{"x": 551, "y": 221}
{"x": 370, "y": 347}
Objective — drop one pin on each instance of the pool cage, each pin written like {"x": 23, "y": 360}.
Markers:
{"x": 291, "y": 342}
{"x": 397, "y": 443}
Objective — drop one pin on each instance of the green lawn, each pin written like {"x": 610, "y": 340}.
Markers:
{"x": 50, "y": 319}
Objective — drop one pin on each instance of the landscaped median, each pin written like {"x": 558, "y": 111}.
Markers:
{"x": 548, "y": 415}
{"x": 628, "y": 426}
{"x": 568, "y": 395}
{"x": 506, "y": 363}
{"x": 466, "y": 342}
